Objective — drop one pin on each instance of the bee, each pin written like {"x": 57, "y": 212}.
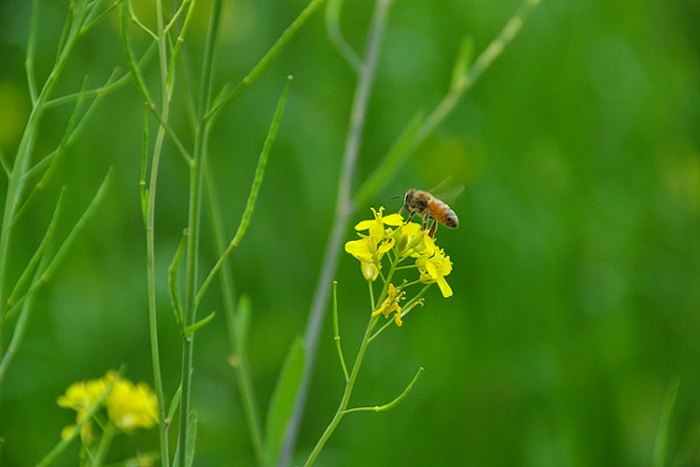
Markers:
{"x": 428, "y": 207}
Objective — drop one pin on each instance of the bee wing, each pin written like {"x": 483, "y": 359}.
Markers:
{"x": 449, "y": 195}
{"x": 445, "y": 191}
{"x": 441, "y": 187}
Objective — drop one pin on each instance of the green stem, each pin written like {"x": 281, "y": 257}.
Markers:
{"x": 104, "y": 444}
{"x": 392, "y": 404}
{"x": 406, "y": 309}
{"x": 482, "y": 63}
{"x": 253, "y": 195}
{"x": 346, "y": 395}
{"x": 266, "y": 61}
{"x": 343, "y": 211}
{"x": 236, "y": 323}
{"x": 193, "y": 223}
{"x": 336, "y": 330}
{"x": 166, "y": 92}
{"x": 16, "y": 182}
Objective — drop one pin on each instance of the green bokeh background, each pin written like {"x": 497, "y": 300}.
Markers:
{"x": 576, "y": 264}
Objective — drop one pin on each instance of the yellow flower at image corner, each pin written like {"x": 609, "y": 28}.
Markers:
{"x": 434, "y": 268}
{"x": 370, "y": 249}
{"x": 391, "y": 304}
{"x": 131, "y": 406}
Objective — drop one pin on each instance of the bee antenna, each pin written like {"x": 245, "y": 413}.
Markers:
{"x": 397, "y": 196}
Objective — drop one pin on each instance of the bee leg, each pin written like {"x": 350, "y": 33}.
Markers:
{"x": 426, "y": 219}
{"x": 433, "y": 228}
{"x": 410, "y": 216}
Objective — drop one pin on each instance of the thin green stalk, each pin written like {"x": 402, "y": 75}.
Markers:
{"x": 131, "y": 61}
{"x": 74, "y": 125}
{"x": 254, "y": 189}
{"x": 31, "y": 48}
{"x": 22, "y": 322}
{"x": 662, "y": 433}
{"x": 482, "y": 63}
{"x": 237, "y": 324}
{"x": 336, "y": 36}
{"x": 110, "y": 86}
{"x": 266, "y": 61}
{"x": 336, "y": 330}
{"x": 419, "y": 128}
{"x": 193, "y": 221}
{"x": 392, "y": 404}
{"x": 48, "y": 272}
{"x": 346, "y": 395}
{"x": 343, "y": 211}
{"x": 103, "y": 446}
{"x": 172, "y": 283}
{"x": 406, "y": 309}
{"x": 176, "y": 15}
{"x": 395, "y": 157}
{"x": 38, "y": 255}
{"x": 143, "y": 27}
{"x": 153, "y": 334}
{"x": 93, "y": 20}
{"x": 15, "y": 186}
{"x": 149, "y": 214}
{"x": 4, "y": 164}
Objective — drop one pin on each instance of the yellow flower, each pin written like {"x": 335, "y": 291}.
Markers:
{"x": 132, "y": 406}
{"x": 391, "y": 304}
{"x": 376, "y": 225}
{"x": 370, "y": 249}
{"x": 80, "y": 397}
{"x": 434, "y": 268}
{"x": 128, "y": 406}
{"x": 412, "y": 240}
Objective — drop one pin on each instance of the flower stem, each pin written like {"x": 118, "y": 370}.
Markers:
{"x": 343, "y": 211}
{"x": 201, "y": 139}
{"x": 346, "y": 395}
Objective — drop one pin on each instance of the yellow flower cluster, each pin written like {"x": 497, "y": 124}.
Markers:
{"x": 129, "y": 406}
{"x": 389, "y": 235}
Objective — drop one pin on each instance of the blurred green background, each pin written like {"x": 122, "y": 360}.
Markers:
{"x": 576, "y": 265}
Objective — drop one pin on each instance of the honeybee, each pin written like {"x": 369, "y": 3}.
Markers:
{"x": 428, "y": 207}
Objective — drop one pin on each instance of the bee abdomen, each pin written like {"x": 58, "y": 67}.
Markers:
{"x": 443, "y": 213}
{"x": 450, "y": 219}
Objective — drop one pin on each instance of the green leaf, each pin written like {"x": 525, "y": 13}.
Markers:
{"x": 191, "y": 329}
{"x": 282, "y": 402}
{"x": 175, "y": 403}
{"x": 662, "y": 433}
{"x": 172, "y": 282}
{"x": 191, "y": 437}
{"x": 464, "y": 59}
{"x": 241, "y": 322}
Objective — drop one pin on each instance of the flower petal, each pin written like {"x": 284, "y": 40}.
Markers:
{"x": 393, "y": 219}
{"x": 444, "y": 287}
{"x": 364, "y": 225}
{"x": 360, "y": 249}
{"x": 369, "y": 270}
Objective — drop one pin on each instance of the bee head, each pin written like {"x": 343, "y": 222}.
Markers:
{"x": 406, "y": 199}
